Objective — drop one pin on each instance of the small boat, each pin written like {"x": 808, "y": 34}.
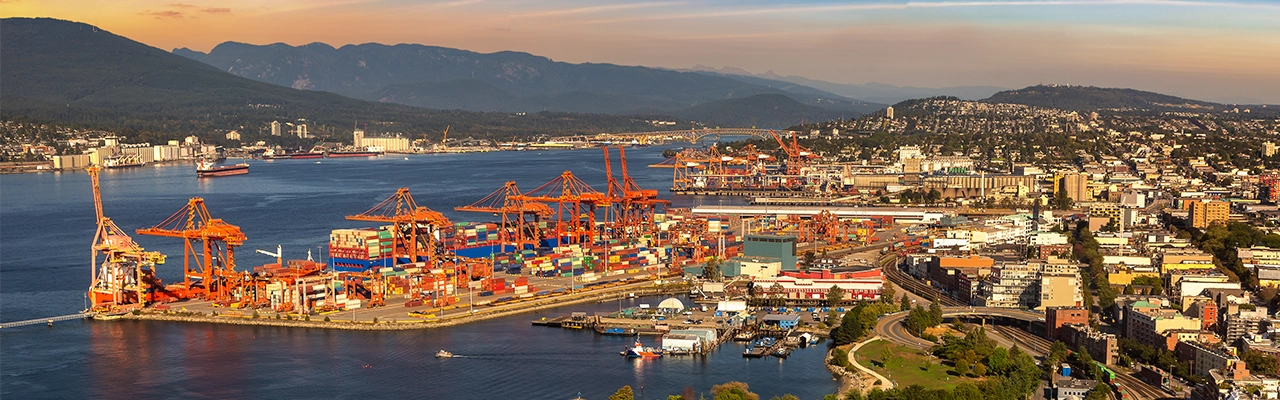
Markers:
{"x": 444, "y": 354}
{"x": 639, "y": 351}
{"x": 206, "y": 169}
{"x": 781, "y": 353}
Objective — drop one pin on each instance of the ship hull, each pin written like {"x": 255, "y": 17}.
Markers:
{"x": 239, "y": 169}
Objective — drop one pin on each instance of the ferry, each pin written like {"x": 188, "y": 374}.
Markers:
{"x": 206, "y": 169}
{"x": 639, "y": 351}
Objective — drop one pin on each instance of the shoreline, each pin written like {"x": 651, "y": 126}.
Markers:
{"x": 397, "y": 324}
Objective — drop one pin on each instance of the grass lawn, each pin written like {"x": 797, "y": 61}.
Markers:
{"x": 910, "y": 370}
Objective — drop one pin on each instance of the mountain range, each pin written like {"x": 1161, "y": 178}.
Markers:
{"x": 872, "y": 92}
{"x": 1090, "y": 98}
{"x": 446, "y": 78}
{"x": 70, "y": 72}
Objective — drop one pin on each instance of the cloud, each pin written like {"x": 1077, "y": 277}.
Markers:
{"x": 163, "y": 14}
{"x": 216, "y": 10}
{"x": 181, "y": 5}
{"x": 827, "y": 8}
{"x": 595, "y": 9}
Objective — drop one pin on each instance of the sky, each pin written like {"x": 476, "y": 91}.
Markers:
{"x": 1219, "y": 50}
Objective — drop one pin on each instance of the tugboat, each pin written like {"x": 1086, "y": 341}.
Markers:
{"x": 206, "y": 169}
{"x": 639, "y": 351}
{"x": 444, "y": 354}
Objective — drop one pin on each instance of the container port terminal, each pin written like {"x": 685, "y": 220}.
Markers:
{"x": 561, "y": 240}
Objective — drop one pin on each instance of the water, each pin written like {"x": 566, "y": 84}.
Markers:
{"x": 46, "y": 226}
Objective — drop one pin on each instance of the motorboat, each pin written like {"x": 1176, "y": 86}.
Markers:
{"x": 444, "y": 354}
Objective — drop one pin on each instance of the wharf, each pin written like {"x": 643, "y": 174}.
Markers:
{"x": 803, "y": 201}
{"x": 745, "y": 192}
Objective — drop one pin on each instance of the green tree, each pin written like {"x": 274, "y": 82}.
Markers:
{"x": 625, "y": 393}
{"x": 935, "y": 312}
{"x": 733, "y": 391}
{"x": 962, "y": 367}
{"x": 787, "y": 396}
{"x": 887, "y": 293}
{"x": 1259, "y": 363}
{"x": 712, "y": 269}
{"x": 980, "y": 370}
{"x": 886, "y": 355}
{"x": 905, "y": 304}
{"x": 1100, "y": 392}
{"x": 835, "y": 295}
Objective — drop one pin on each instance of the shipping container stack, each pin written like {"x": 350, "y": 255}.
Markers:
{"x": 355, "y": 250}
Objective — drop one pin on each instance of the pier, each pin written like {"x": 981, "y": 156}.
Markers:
{"x": 49, "y": 320}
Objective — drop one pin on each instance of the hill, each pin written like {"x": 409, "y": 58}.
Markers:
{"x": 71, "y": 72}
{"x": 441, "y": 77}
{"x": 1089, "y": 98}
{"x": 763, "y": 111}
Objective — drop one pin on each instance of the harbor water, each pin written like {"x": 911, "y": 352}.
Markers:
{"x": 46, "y": 226}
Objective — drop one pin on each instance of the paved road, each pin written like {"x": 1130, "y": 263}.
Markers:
{"x": 885, "y": 383}
{"x": 893, "y": 328}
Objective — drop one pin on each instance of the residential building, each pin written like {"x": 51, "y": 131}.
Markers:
{"x": 1102, "y": 347}
{"x": 1148, "y": 326}
{"x": 1076, "y": 186}
{"x": 1205, "y": 213}
{"x": 275, "y": 128}
{"x": 1238, "y": 324}
{"x": 1010, "y": 286}
{"x": 1205, "y": 358}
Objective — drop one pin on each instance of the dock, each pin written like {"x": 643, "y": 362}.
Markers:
{"x": 49, "y": 320}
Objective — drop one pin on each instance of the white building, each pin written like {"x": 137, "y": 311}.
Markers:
{"x": 275, "y": 128}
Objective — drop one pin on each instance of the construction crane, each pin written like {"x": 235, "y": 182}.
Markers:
{"x": 127, "y": 271}
{"x": 210, "y": 243}
{"x": 508, "y": 203}
{"x": 414, "y": 228}
{"x": 575, "y": 204}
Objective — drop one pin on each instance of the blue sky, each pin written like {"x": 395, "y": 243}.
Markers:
{"x": 1207, "y": 49}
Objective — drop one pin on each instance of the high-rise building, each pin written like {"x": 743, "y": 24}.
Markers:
{"x": 275, "y": 128}
{"x": 233, "y": 135}
{"x": 300, "y": 130}
{"x": 888, "y": 112}
{"x": 1205, "y": 213}
{"x": 1268, "y": 148}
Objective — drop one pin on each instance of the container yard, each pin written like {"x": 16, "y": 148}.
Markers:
{"x": 562, "y": 241}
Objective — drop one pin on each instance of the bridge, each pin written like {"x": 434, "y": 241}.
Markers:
{"x": 892, "y": 327}
{"x": 690, "y": 135}
{"x": 49, "y": 321}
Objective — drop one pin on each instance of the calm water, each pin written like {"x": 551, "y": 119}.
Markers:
{"x": 46, "y": 225}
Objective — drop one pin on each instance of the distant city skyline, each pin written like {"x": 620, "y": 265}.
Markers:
{"x": 1216, "y": 50}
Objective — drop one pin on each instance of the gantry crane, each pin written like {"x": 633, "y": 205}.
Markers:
{"x": 127, "y": 271}
{"x": 215, "y": 259}
{"x": 414, "y": 227}
{"x": 797, "y": 155}
{"x": 509, "y": 204}
{"x": 638, "y": 204}
{"x": 575, "y": 204}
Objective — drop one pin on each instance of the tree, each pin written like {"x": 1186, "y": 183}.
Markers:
{"x": 962, "y": 367}
{"x": 1259, "y": 363}
{"x": 1100, "y": 392}
{"x": 712, "y": 269}
{"x": 980, "y": 370}
{"x": 886, "y": 355}
{"x": 733, "y": 391}
{"x": 625, "y": 393}
{"x": 835, "y": 295}
{"x": 905, "y": 304}
{"x": 787, "y": 396}
{"x": 809, "y": 258}
{"x": 887, "y": 293}
{"x": 935, "y": 312}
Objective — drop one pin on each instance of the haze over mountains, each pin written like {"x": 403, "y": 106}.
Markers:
{"x": 873, "y": 92}
{"x": 446, "y": 78}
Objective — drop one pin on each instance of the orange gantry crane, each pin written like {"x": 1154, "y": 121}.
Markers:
{"x": 631, "y": 207}
{"x": 127, "y": 271}
{"x": 413, "y": 227}
{"x": 797, "y": 155}
{"x": 517, "y": 228}
{"x": 575, "y": 204}
{"x": 210, "y": 243}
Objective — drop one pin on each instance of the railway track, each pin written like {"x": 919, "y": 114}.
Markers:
{"x": 1137, "y": 389}
{"x": 890, "y": 267}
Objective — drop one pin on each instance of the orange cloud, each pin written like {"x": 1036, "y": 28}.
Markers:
{"x": 181, "y": 5}
{"x": 163, "y": 14}
{"x": 214, "y": 10}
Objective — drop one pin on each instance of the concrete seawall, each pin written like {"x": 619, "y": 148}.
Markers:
{"x": 407, "y": 323}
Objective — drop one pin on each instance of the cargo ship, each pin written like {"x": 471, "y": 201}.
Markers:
{"x": 206, "y": 169}
{"x": 270, "y": 155}
{"x": 340, "y": 154}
